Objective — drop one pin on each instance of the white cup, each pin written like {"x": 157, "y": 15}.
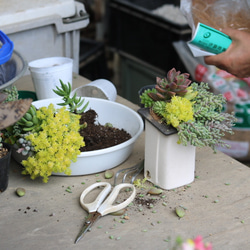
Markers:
{"x": 100, "y": 88}
{"x": 46, "y": 74}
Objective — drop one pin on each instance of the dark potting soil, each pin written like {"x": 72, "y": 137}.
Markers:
{"x": 98, "y": 136}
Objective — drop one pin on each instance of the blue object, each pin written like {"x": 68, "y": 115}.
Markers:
{"x": 6, "y": 49}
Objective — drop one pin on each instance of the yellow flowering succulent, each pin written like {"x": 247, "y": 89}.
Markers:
{"x": 178, "y": 110}
{"x": 55, "y": 145}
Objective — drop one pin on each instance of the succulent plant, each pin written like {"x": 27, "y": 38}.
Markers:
{"x": 145, "y": 98}
{"x": 193, "y": 110}
{"x": 12, "y": 110}
{"x": 73, "y": 102}
{"x": 12, "y": 94}
{"x": 29, "y": 122}
{"x": 174, "y": 84}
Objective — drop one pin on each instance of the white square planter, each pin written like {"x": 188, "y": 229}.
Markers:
{"x": 167, "y": 164}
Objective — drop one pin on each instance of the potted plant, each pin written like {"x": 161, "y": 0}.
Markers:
{"x": 53, "y": 135}
{"x": 45, "y": 140}
{"x": 10, "y": 112}
{"x": 180, "y": 115}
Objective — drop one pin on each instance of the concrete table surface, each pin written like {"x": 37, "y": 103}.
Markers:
{"x": 217, "y": 207}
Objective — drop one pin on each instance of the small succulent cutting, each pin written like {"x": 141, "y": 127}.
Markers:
{"x": 73, "y": 102}
{"x": 174, "y": 84}
{"x": 191, "y": 108}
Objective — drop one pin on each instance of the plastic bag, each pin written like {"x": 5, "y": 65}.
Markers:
{"x": 235, "y": 90}
{"x": 218, "y": 14}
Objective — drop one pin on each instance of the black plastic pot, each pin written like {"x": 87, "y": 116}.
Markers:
{"x": 4, "y": 169}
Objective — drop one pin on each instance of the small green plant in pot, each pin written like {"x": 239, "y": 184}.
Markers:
{"x": 45, "y": 140}
{"x": 188, "y": 112}
{"x": 11, "y": 110}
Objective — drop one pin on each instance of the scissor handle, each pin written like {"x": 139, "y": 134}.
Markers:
{"x": 93, "y": 206}
{"x": 108, "y": 207}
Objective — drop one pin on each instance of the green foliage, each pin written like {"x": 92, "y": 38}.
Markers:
{"x": 29, "y": 122}
{"x": 140, "y": 183}
{"x": 210, "y": 123}
{"x": 159, "y": 108}
{"x": 73, "y": 102}
{"x": 6, "y": 135}
{"x": 146, "y": 99}
{"x": 12, "y": 94}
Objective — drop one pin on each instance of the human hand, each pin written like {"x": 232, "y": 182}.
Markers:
{"x": 236, "y": 59}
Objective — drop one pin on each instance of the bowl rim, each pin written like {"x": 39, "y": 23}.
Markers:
{"x": 113, "y": 148}
{"x": 22, "y": 72}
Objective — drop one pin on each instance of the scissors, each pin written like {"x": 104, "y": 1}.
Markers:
{"x": 103, "y": 204}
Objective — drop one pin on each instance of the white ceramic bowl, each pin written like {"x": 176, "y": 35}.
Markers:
{"x": 119, "y": 116}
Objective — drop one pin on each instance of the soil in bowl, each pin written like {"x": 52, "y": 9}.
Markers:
{"x": 97, "y": 136}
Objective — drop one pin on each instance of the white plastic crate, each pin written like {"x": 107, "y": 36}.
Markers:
{"x": 44, "y": 28}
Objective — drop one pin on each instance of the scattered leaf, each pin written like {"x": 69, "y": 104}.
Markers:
{"x": 140, "y": 183}
{"x": 20, "y": 192}
{"x": 180, "y": 211}
{"x": 119, "y": 212}
{"x": 155, "y": 191}
{"x": 108, "y": 174}
{"x": 68, "y": 190}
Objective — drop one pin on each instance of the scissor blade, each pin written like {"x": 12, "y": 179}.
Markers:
{"x": 83, "y": 231}
{"x": 91, "y": 219}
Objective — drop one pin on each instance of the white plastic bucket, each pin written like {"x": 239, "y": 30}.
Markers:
{"x": 46, "y": 74}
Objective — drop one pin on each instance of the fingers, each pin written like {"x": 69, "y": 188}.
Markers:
{"x": 213, "y": 60}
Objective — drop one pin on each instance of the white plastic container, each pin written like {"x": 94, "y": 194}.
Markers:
{"x": 46, "y": 74}
{"x": 44, "y": 28}
{"x": 167, "y": 164}
{"x": 100, "y": 88}
{"x": 120, "y": 116}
